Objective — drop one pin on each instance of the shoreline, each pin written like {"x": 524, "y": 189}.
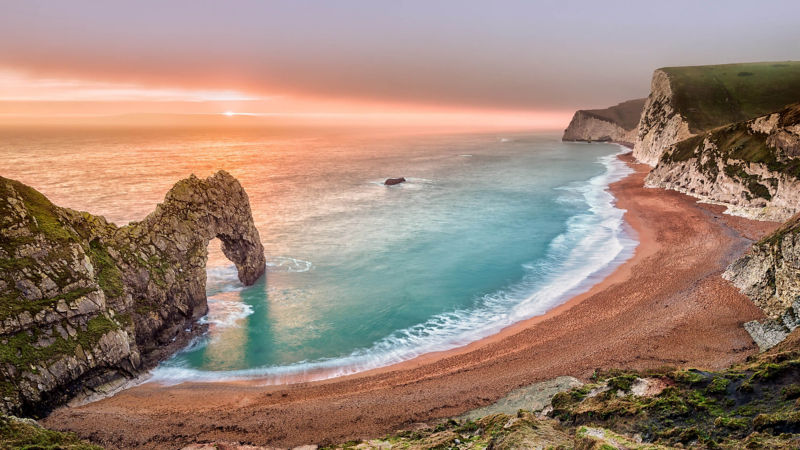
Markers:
{"x": 667, "y": 305}
{"x": 644, "y": 247}
{"x": 616, "y": 272}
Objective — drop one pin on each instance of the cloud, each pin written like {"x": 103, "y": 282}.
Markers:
{"x": 15, "y": 86}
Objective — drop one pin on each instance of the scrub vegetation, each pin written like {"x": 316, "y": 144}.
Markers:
{"x": 754, "y": 405}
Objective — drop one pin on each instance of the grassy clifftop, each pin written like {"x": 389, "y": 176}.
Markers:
{"x": 713, "y": 96}
{"x": 626, "y": 114}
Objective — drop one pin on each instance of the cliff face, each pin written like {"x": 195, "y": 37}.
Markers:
{"x": 85, "y": 306}
{"x": 618, "y": 124}
{"x": 661, "y": 124}
{"x": 686, "y": 101}
{"x": 770, "y": 275}
{"x": 752, "y": 166}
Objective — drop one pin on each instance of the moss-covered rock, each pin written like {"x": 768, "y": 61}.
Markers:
{"x": 86, "y": 305}
{"x": 753, "y": 166}
{"x": 26, "y": 434}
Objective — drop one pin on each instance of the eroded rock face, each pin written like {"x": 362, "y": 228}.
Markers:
{"x": 661, "y": 124}
{"x": 769, "y": 274}
{"x": 86, "y": 306}
{"x": 615, "y": 124}
{"x": 535, "y": 397}
{"x": 751, "y": 167}
{"x": 586, "y": 128}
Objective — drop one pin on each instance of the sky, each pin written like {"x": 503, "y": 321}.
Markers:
{"x": 517, "y": 61}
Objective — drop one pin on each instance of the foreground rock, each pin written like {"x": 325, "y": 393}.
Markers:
{"x": 16, "y": 433}
{"x": 686, "y": 101}
{"x": 86, "y": 306}
{"x": 748, "y": 406}
{"x": 615, "y": 124}
{"x": 393, "y": 181}
{"x": 752, "y": 167}
{"x": 770, "y": 275}
{"x": 535, "y": 397}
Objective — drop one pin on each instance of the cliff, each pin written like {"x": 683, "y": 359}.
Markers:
{"x": 753, "y": 167}
{"x": 686, "y": 101}
{"x": 86, "y": 306}
{"x": 617, "y": 123}
{"x": 770, "y": 275}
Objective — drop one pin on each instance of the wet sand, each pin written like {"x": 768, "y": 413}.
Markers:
{"x": 668, "y": 305}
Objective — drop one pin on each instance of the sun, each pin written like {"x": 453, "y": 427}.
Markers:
{"x": 229, "y": 113}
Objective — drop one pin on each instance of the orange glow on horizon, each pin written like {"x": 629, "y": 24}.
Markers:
{"x": 30, "y": 100}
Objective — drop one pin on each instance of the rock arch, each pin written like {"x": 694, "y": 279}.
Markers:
{"x": 88, "y": 305}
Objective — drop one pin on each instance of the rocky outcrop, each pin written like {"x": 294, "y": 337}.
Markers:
{"x": 615, "y": 124}
{"x": 687, "y": 101}
{"x": 769, "y": 274}
{"x": 752, "y": 167}
{"x": 535, "y": 397}
{"x": 86, "y": 306}
{"x": 661, "y": 124}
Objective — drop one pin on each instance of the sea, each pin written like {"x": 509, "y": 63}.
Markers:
{"x": 490, "y": 228}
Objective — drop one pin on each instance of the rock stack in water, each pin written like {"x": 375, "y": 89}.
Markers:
{"x": 86, "y": 306}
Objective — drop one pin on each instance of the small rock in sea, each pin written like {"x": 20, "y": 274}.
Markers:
{"x": 393, "y": 181}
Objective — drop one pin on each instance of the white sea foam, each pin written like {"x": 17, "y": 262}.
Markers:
{"x": 286, "y": 264}
{"x": 225, "y": 314}
{"x": 223, "y": 278}
{"x": 594, "y": 244}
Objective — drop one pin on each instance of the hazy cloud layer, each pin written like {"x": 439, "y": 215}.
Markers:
{"x": 532, "y": 55}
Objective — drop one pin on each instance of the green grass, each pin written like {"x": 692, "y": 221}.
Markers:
{"x": 20, "y": 352}
{"x": 44, "y": 211}
{"x": 737, "y": 145}
{"x": 713, "y": 96}
{"x": 625, "y": 114}
{"x": 17, "y": 434}
{"x": 15, "y": 307}
{"x": 108, "y": 275}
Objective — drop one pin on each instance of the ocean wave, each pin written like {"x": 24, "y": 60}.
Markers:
{"x": 223, "y": 281}
{"x": 593, "y": 244}
{"x": 225, "y": 313}
{"x": 222, "y": 278}
{"x": 288, "y": 265}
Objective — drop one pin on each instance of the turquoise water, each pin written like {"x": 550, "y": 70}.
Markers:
{"x": 490, "y": 229}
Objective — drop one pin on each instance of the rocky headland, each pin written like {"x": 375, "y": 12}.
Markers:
{"x": 753, "y": 167}
{"x": 686, "y": 101}
{"x": 730, "y": 135}
{"x": 87, "y": 306}
{"x": 615, "y": 124}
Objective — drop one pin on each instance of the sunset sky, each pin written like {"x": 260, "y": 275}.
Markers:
{"x": 517, "y": 62}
